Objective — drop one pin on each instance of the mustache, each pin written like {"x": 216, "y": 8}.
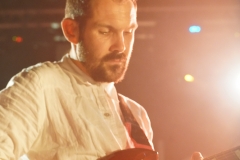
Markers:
{"x": 114, "y": 55}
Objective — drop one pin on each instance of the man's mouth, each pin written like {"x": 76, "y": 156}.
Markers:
{"x": 115, "y": 58}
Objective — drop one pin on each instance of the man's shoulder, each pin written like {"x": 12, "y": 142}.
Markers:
{"x": 43, "y": 70}
{"x": 36, "y": 73}
{"x": 43, "y": 67}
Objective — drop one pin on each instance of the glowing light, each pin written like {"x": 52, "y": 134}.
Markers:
{"x": 55, "y": 25}
{"x": 238, "y": 83}
{"x": 195, "y": 29}
{"x": 232, "y": 84}
{"x": 14, "y": 38}
{"x": 59, "y": 38}
{"x": 17, "y": 39}
{"x": 189, "y": 78}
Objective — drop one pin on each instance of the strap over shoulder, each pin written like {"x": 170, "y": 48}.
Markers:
{"x": 135, "y": 132}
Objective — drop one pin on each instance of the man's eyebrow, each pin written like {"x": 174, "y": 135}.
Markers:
{"x": 103, "y": 25}
{"x": 134, "y": 25}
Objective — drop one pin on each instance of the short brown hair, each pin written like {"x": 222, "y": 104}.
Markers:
{"x": 81, "y": 8}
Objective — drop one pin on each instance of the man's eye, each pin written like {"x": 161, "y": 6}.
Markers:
{"x": 104, "y": 32}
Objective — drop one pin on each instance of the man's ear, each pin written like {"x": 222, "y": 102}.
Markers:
{"x": 70, "y": 29}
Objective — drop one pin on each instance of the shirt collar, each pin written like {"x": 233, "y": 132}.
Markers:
{"x": 85, "y": 79}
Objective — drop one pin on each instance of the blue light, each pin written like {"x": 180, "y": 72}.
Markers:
{"x": 195, "y": 29}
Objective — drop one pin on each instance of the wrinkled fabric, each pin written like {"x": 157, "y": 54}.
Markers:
{"x": 53, "y": 111}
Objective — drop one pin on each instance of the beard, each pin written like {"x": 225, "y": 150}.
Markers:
{"x": 99, "y": 69}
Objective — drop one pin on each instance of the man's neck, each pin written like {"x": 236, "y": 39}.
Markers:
{"x": 80, "y": 66}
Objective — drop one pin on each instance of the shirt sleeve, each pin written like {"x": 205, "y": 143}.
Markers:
{"x": 21, "y": 116}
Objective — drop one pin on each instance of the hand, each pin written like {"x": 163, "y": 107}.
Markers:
{"x": 197, "y": 156}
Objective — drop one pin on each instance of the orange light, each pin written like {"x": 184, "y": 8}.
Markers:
{"x": 17, "y": 39}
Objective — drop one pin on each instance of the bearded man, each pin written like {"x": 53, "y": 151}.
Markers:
{"x": 70, "y": 110}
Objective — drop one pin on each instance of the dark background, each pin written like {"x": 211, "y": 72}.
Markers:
{"x": 203, "y": 115}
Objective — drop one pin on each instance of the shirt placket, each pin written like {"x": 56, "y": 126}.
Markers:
{"x": 110, "y": 116}
{"x": 103, "y": 106}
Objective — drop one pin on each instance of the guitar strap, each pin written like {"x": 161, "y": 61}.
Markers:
{"x": 135, "y": 132}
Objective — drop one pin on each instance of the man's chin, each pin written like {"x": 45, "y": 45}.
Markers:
{"x": 109, "y": 76}
{"x": 106, "y": 72}
{"x": 117, "y": 74}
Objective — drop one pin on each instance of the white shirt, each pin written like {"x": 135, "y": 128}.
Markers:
{"x": 55, "y": 111}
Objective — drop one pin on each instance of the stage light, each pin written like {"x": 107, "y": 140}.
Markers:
{"x": 188, "y": 78}
{"x": 232, "y": 84}
{"x": 195, "y": 29}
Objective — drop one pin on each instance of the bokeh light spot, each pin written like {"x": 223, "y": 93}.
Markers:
{"x": 17, "y": 39}
{"x": 188, "y": 78}
{"x": 195, "y": 29}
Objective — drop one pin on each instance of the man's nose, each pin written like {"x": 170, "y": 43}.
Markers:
{"x": 118, "y": 43}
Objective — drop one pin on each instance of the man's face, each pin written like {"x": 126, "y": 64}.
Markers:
{"x": 107, "y": 39}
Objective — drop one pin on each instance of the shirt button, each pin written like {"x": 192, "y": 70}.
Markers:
{"x": 106, "y": 114}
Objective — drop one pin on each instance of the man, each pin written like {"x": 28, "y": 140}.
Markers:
{"x": 69, "y": 110}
